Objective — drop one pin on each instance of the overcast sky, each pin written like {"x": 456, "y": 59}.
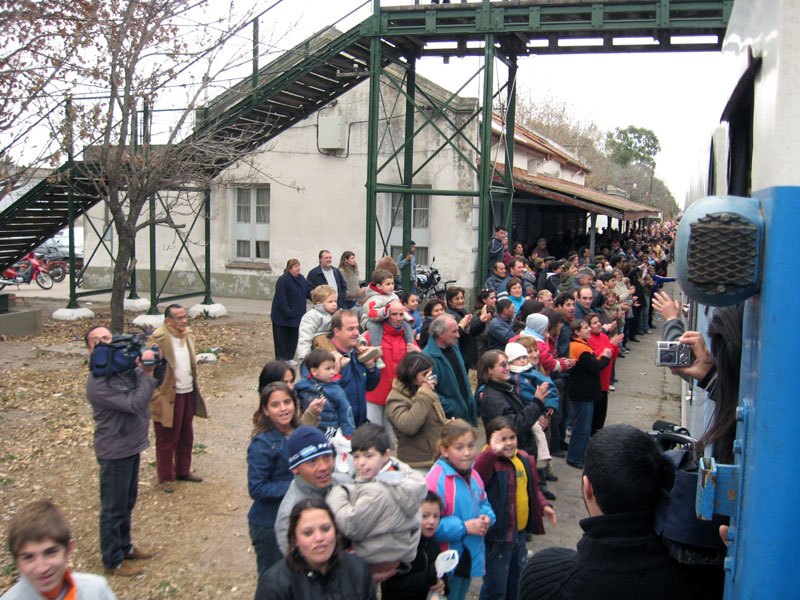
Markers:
{"x": 679, "y": 96}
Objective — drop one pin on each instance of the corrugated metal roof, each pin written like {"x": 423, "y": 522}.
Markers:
{"x": 577, "y": 195}
{"x": 538, "y": 142}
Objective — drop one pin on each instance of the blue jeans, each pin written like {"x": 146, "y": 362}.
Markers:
{"x": 266, "y": 547}
{"x": 504, "y": 563}
{"x": 459, "y": 587}
{"x": 348, "y": 304}
{"x": 582, "y": 412}
{"x": 119, "y": 486}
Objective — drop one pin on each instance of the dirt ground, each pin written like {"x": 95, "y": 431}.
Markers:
{"x": 200, "y": 532}
{"x": 46, "y": 431}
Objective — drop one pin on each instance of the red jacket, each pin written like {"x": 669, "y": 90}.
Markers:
{"x": 547, "y": 355}
{"x": 394, "y": 349}
{"x": 600, "y": 342}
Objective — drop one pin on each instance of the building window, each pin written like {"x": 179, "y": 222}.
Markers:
{"x": 251, "y": 224}
{"x": 420, "y": 225}
{"x": 421, "y": 253}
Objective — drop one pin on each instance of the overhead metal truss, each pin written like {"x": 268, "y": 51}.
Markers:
{"x": 328, "y": 64}
{"x": 504, "y": 31}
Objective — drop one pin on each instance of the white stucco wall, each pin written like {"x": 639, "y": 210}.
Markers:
{"x": 318, "y": 200}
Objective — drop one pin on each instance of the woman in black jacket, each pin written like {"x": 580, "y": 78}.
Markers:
{"x": 288, "y": 307}
{"x": 469, "y": 327}
{"x": 315, "y": 566}
{"x": 496, "y": 398}
{"x": 583, "y": 388}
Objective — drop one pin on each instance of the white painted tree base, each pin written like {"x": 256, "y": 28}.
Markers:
{"x": 138, "y": 305}
{"x": 154, "y": 321}
{"x": 72, "y": 314}
{"x": 212, "y": 311}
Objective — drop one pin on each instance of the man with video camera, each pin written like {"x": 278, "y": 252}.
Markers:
{"x": 119, "y": 389}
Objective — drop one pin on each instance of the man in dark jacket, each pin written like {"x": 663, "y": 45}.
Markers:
{"x": 500, "y": 331}
{"x": 121, "y": 411}
{"x": 357, "y": 378}
{"x": 453, "y": 387}
{"x": 496, "y": 246}
{"x": 619, "y": 556}
{"x": 497, "y": 277}
{"x": 326, "y": 274}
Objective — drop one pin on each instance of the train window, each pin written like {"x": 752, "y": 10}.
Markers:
{"x": 739, "y": 115}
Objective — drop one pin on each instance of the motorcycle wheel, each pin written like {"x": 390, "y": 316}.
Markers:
{"x": 57, "y": 273}
{"x": 44, "y": 280}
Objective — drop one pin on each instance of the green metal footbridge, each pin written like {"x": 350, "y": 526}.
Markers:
{"x": 284, "y": 92}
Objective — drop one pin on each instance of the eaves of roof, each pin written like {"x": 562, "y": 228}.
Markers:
{"x": 574, "y": 194}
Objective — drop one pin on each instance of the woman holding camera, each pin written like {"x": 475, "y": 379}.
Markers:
{"x": 414, "y": 410}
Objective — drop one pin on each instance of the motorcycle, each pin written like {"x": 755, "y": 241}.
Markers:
{"x": 29, "y": 269}
{"x": 429, "y": 283}
{"x": 58, "y": 267}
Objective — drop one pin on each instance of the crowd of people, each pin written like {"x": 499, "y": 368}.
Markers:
{"x": 364, "y": 462}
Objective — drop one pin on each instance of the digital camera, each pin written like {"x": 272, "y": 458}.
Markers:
{"x": 673, "y": 354}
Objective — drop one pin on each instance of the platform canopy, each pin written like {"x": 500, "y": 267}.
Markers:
{"x": 579, "y": 196}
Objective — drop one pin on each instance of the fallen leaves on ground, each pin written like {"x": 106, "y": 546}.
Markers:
{"x": 46, "y": 451}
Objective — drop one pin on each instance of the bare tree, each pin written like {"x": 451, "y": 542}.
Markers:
{"x": 150, "y": 49}
{"x": 44, "y": 44}
{"x": 551, "y": 118}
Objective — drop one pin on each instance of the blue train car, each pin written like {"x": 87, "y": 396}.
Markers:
{"x": 741, "y": 244}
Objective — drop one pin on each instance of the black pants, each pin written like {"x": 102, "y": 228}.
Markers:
{"x": 599, "y": 414}
{"x": 119, "y": 486}
{"x": 560, "y": 428}
{"x": 285, "y": 339}
{"x": 632, "y": 324}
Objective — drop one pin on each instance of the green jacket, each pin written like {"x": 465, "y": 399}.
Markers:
{"x": 447, "y": 388}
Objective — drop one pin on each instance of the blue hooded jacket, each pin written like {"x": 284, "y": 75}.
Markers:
{"x": 336, "y": 412}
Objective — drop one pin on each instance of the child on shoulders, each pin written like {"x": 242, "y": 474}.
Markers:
{"x": 380, "y": 511}
{"x": 380, "y": 294}
{"x": 321, "y": 381}
{"x": 315, "y": 326}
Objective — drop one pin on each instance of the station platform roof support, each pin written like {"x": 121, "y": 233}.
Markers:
{"x": 398, "y": 37}
{"x": 507, "y": 31}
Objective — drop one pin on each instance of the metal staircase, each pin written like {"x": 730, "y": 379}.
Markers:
{"x": 328, "y": 64}
{"x": 44, "y": 210}
{"x": 248, "y": 115}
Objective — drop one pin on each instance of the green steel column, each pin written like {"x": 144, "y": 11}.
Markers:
{"x": 372, "y": 150}
{"x": 593, "y": 233}
{"x": 153, "y": 279}
{"x": 135, "y": 140}
{"x": 486, "y": 157}
{"x": 254, "y": 80}
{"x": 408, "y": 166}
{"x": 73, "y": 300}
{"x": 152, "y": 229}
{"x": 511, "y": 116}
{"x": 207, "y": 209}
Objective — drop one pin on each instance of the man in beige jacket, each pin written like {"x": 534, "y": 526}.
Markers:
{"x": 177, "y": 400}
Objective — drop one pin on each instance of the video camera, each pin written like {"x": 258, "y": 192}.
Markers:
{"x": 120, "y": 354}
